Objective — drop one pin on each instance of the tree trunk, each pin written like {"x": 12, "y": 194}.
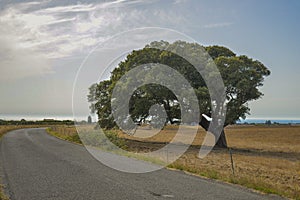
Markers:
{"x": 222, "y": 143}
{"x": 168, "y": 109}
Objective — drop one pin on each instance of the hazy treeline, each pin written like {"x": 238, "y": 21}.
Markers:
{"x": 40, "y": 122}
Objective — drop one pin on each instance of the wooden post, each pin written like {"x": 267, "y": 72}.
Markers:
{"x": 231, "y": 159}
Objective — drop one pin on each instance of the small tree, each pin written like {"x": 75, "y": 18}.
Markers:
{"x": 268, "y": 122}
{"x": 23, "y": 121}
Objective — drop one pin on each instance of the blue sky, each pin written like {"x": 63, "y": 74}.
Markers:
{"x": 42, "y": 44}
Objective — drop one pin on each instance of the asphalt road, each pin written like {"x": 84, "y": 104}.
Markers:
{"x": 35, "y": 165}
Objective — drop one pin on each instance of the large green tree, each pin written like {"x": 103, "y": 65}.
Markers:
{"x": 242, "y": 77}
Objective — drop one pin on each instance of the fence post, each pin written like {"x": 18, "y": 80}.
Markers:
{"x": 231, "y": 159}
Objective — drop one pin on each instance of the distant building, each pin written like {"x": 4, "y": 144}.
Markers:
{"x": 89, "y": 119}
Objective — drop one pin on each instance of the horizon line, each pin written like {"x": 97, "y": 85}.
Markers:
{"x": 71, "y": 117}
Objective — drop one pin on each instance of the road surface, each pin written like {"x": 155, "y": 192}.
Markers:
{"x": 35, "y": 166}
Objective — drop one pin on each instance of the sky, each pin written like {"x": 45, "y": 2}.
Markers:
{"x": 43, "y": 44}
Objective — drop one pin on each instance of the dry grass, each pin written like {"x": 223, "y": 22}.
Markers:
{"x": 283, "y": 138}
{"x": 262, "y": 172}
{"x": 266, "y": 158}
{"x": 6, "y": 128}
{"x": 276, "y": 138}
{"x": 65, "y": 132}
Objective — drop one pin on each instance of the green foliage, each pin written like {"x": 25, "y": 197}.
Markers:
{"x": 113, "y": 137}
{"x": 268, "y": 122}
{"x": 242, "y": 77}
{"x": 100, "y": 96}
{"x": 218, "y": 51}
{"x": 74, "y": 138}
{"x": 91, "y": 137}
{"x": 97, "y": 139}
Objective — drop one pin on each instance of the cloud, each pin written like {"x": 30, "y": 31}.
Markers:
{"x": 179, "y": 1}
{"x": 67, "y": 9}
{"x": 218, "y": 25}
{"x": 34, "y": 33}
{"x": 18, "y": 62}
{"x": 17, "y": 59}
{"x": 30, "y": 39}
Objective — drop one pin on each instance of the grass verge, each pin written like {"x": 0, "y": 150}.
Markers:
{"x": 95, "y": 140}
{"x": 71, "y": 138}
{"x": 257, "y": 184}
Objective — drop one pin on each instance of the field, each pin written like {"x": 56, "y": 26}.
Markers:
{"x": 265, "y": 158}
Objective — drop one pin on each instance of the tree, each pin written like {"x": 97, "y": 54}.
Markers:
{"x": 23, "y": 121}
{"x": 268, "y": 122}
{"x": 100, "y": 98}
{"x": 242, "y": 78}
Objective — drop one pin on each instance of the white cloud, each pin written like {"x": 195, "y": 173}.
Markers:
{"x": 123, "y": 3}
{"x": 33, "y": 33}
{"x": 30, "y": 39}
{"x": 218, "y": 25}
{"x": 66, "y": 9}
{"x": 18, "y": 63}
{"x": 179, "y": 1}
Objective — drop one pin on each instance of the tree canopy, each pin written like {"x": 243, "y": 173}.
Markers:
{"x": 242, "y": 77}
